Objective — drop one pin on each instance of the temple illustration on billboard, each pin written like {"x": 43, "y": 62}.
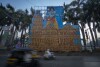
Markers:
{"x": 48, "y": 32}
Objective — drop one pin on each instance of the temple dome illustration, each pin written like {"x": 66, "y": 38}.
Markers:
{"x": 50, "y": 33}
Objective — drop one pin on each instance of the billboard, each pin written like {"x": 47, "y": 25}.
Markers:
{"x": 54, "y": 16}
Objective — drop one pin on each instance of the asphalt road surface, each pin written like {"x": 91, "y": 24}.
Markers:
{"x": 64, "y": 61}
{"x": 3, "y": 59}
{"x": 72, "y": 61}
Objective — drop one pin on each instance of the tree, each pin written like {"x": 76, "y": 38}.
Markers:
{"x": 3, "y": 19}
{"x": 85, "y": 12}
{"x": 17, "y": 20}
{"x": 92, "y": 10}
{"x": 25, "y": 20}
{"x": 75, "y": 15}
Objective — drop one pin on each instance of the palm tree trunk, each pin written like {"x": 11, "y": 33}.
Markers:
{"x": 25, "y": 30}
{"x": 1, "y": 36}
{"x": 92, "y": 35}
{"x": 11, "y": 39}
{"x": 22, "y": 38}
{"x": 83, "y": 34}
{"x": 95, "y": 33}
{"x": 84, "y": 41}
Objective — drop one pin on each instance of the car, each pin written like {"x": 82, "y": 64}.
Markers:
{"x": 17, "y": 58}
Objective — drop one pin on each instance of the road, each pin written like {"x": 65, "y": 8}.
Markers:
{"x": 64, "y": 61}
{"x": 72, "y": 61}
{"x": 3, "y": 59}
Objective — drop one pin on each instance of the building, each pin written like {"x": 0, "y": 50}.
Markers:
{"x": 50, "y": 36}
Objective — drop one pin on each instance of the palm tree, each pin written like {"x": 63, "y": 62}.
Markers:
{"x": 25, "y": 20}
{"x": 11, "y": 11}
{"x": 32, "y": 11}
{"x": 3, "y": 20}
{"x": 96, "y": 17}
{"x": 75, "y": 15}
{"x": 19, "y": 20}
{"x": 92, "y": 10}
